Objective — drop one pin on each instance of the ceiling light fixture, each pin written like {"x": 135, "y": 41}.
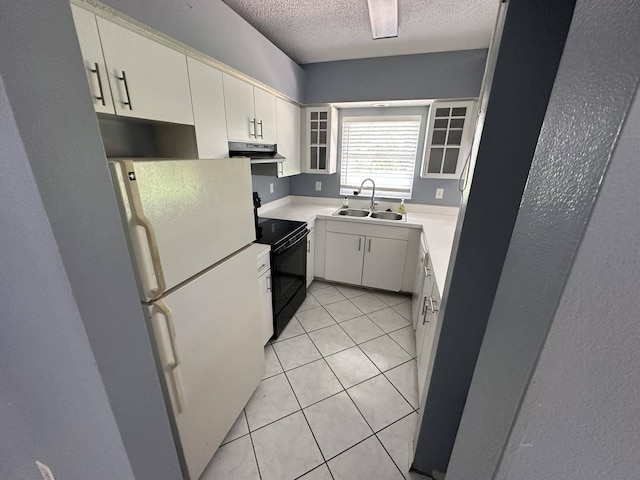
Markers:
{"x": 384, "y": 18}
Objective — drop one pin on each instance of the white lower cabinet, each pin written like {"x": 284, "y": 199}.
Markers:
{"x": 368, "y": 255}
{"x": 264, "y": 290}
{"x": 344, "y": 258}
{"x": 425, "y": 331}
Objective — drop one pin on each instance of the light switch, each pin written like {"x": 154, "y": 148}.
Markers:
{"x": 439, "y": 193}
{"x": 318, "y": 186}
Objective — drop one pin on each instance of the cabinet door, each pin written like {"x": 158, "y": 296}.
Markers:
{"x": 87, "y": 31}
{"x": 265, "y": 109}
{"x": 149, "y": 80}
{"x": 266, "y": 309}
{"x": 423, "y": 312}
{"x": 418, "y": 283}
{"x": 207, "y": 98}
{"x": 310, "y": 256}
{"x": 239, "y": 108}
{"x": 344, "y": 256}
{"x": 427, "y": 343}
{"x": 288, "y": 123}
{"x": 384, "y": 263}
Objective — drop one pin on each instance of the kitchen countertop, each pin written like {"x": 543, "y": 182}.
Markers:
{"x": 438, "y": 229}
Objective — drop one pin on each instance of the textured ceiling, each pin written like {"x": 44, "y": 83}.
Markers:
{"x": 323, "y": 30}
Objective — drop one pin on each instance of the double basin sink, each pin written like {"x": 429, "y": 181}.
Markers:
{"x": 355, "y": 212}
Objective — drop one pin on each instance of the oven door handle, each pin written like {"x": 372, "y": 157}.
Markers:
{"x": 291, "y": 245}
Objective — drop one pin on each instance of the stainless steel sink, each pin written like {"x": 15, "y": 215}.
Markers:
{"x": 386, "y": 215}
{"x": 352, "y": 212}
{"x": 356, "y": 212}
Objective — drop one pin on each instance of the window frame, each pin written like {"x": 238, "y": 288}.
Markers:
{"x": 382, "y": 115}
{"x": 465, "y": 142}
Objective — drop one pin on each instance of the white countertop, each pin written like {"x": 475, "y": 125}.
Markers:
{"x": 438, "y": 228}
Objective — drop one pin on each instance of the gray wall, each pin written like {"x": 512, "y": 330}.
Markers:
{"x": 53, "y": 407}
{"x": 404, "y": 77}
{"x": 280, "y": 187}
{"x": 213, "y": 28}
{"x": 424, "y": 189}
{"x": 45, "y": 83}
{"x": 531, "y": 47}
{"x": 578, "y": 418}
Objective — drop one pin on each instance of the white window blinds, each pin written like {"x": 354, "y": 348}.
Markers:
{"x": 381, "y": 148}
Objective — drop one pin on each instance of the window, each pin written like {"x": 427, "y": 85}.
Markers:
{"x": 381, "y": 148}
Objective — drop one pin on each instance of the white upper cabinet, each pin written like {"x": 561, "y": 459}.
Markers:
{"x": 87, "y": 30}
{"x": 148, "y": 80}
{"x": 319, "y": 151}
{"x": 251, "y": 112}
{"x": 449, "y": 137}
{"x": 265, "y": 108}
{"x": 288, "y": 137}
{"x": 207, "y": 97}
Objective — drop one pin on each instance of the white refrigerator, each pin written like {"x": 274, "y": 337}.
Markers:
{"x": 188, "y": 225}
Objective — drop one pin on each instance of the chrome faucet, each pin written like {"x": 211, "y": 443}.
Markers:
{"x": 373, "y": 194}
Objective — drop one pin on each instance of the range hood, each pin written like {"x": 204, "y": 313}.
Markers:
{"x": 257, "y": 152}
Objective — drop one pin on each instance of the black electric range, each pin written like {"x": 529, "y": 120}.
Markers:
{"x": 288, "y": 240}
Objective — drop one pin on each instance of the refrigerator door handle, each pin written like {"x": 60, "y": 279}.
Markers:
{"x": 167, "y": 352}
{"x": 139, "y": 218}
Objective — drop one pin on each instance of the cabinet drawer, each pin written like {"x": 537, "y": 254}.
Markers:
{"x": 368, "y": 229}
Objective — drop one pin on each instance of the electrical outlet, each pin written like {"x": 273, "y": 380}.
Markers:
{"x": 45, "y": 471}
{"x": 439, "y": 193}
{"x": 271, "y": 188}
{"x": 318, "y": 186}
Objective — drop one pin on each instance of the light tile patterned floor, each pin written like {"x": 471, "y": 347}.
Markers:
{"x": 339, "y": 395}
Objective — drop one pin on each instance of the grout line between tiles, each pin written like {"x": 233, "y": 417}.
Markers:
{"x": 302, "y": 410}
{"x": 255, "y": 456}
{"x": 385, "y": 449}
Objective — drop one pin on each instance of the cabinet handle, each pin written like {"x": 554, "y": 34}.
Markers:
{"x": 126, "y": 89}
{"x": 434, "y": 306}
{"x": 262, "y": 267}
{"x": 261, "y": 131}
{"x": 254, "y": 127}
{"x": 424, "y": 311}
{"x": 369, "y": 246}
{"x": 427, "y": 272}
{"x": 268, "y": 283}
{"x": 359, "y": 244}
{"x": 96, "y": 70}
{"x": 308, "y": 246}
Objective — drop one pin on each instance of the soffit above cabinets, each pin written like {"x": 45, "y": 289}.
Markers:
{"x": 312, "y": 31}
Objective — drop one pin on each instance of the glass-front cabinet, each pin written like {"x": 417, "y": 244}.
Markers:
{"x": 448, "y": 139}
{"x": 321, "y": 139}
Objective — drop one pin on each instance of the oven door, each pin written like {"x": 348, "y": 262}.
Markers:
{"x": 289, "y": 273}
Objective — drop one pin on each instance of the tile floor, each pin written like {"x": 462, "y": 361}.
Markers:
{"x": 339, "y": 396}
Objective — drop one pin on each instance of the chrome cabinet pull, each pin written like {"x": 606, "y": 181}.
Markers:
{"x": 359, "y": 243}
{"x": 308, "y": 246}
{"x": 254, "y": 127}
{"x": 126, "y": 89}
{"x": 96, "y": 70}
{"x": 424, "y": 307}
{"x": 369, "y": 246}
{"x": 268, "y": 283}
{"x": 261, "y": 131}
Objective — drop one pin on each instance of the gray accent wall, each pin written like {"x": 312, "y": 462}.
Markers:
{"x": 403, "y": 77}
{"x": 53, "y": 406}
{"x": 556, "y": 386}
{"x": 423, "y": 190}
{"x": 529, "y": 54}
{"x": 211, "y": 27}
{"x": 280, "y": 187}
{"x": 73, "y": 278}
